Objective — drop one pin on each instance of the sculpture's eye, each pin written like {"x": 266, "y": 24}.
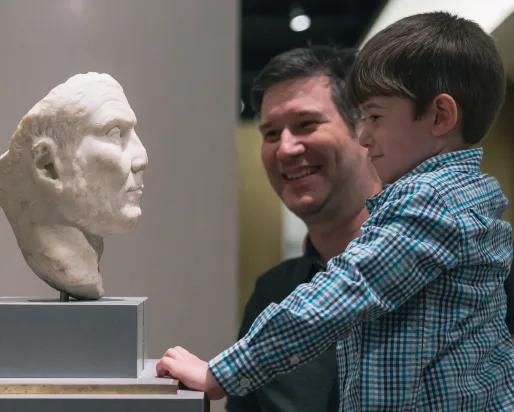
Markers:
{"x": 114, "y": 132}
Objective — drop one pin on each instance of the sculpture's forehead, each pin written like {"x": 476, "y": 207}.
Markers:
{"x": 112, "y": 104}
{"x": 90, "y": 94}
{"x": 98, "y": 101}
{"x": 89, "y": 86}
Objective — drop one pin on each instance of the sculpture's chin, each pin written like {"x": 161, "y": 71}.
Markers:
{"x": 80, "y": 289}
{"x": 117, "y": 225}
{"x": 93, "y": 291}
{"x": 120, "y": 228}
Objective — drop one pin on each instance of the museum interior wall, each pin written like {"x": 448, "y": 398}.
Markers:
{"x": 182, "y": 86}
{"x": 260, "y": 218}
{"x": 499, "y": 151}
{"x": 499, "y": 143}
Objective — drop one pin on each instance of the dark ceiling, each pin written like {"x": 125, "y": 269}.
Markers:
{"x": 265, "y": 31}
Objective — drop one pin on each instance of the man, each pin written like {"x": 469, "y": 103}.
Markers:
{"x": 315, "y": 164}
{"x": 72, "y": 175}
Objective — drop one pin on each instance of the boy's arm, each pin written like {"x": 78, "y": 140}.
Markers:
{"x": 407, "y": 243}
{"x": 253, "y": 308}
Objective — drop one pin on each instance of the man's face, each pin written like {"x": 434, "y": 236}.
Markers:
{"x": 396, "y": 142}
{"x": 308, "y": 151}
{"x": 103, "y": 173}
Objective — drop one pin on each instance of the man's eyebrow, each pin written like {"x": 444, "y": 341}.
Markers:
{"x": 263, "y": 126}
{"x": 309, "y": 113}
{"x": 301, "y": 113}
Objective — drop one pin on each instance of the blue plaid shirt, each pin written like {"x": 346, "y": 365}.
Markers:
{"x": 416, "y": 303}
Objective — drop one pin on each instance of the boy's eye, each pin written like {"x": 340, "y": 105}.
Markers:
{"x": 372, "y": 117}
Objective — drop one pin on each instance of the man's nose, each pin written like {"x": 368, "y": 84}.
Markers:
{"x": 290, "y": 145}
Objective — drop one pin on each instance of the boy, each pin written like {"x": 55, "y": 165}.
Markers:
{"x": 416, "y": 302}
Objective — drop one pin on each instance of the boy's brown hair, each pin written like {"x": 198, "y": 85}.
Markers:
{"x": 421, "y": 56}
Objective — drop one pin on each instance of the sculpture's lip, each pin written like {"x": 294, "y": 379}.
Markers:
{"x": 137, "y": 189}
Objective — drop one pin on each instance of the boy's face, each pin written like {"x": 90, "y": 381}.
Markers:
{"x": 396, "y": 142}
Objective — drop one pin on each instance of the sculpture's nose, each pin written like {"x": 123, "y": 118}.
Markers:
{"x": 140, "y": 159}
{"x": 139, "y": 163}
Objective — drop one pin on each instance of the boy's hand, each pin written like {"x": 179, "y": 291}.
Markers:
{"x": 190, "y": 370}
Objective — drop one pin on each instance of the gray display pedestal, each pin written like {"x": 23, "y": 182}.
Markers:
{"x": 47, "y": 338}
{"x": 181, "y": 401}
{"x": 83, "y": 356}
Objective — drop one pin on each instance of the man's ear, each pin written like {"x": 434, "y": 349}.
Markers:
{"x": 45, "y": 164}
{"x": 446, "y": 114}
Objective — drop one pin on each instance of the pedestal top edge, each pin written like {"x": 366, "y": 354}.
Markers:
{"x": 147, "y": 377}
{"x": 182, "y": 394}
{"x": 40, "y": 300}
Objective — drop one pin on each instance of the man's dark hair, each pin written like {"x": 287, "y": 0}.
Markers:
{"x": 421, "y": 56}
{"x": 330, "y": 61}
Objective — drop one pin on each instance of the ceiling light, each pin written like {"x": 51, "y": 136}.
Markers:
{"x": 298, "y": 20}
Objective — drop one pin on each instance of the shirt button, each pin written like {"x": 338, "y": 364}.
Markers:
{"x": 244, "y": 382}
{"x": 355, "y": 250}
{"x": 294, "y": 360}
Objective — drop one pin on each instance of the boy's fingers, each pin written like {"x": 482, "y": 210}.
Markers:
{"x": 180, "y": 350}
{"x": 174, "y": 353}
{"x": 166, "y": 367}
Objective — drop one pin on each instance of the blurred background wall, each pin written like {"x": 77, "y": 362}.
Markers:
{"x": 260, "y": 214}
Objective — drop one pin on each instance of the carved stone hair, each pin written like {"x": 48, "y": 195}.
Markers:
{"x": 57, "y": 116}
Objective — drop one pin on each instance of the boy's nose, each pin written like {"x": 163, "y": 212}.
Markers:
{"x": 364, "y": 137}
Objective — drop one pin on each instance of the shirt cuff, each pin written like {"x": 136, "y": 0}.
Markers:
{"x": 236, "y": 371}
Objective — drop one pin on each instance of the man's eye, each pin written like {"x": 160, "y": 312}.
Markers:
{"x": 271, "y": 135}
{"x": 307, "y": 123}
{"x": 114, "y": 132}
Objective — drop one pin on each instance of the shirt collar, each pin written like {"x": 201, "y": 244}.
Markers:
{"x": 310, "y": 263}
{"x": 462, "y": 160}
{"x": 310, "y": 250}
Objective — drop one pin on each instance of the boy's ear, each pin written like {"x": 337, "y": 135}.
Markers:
{"x": 446, "y": 114}
{"x": 45, "y": 164}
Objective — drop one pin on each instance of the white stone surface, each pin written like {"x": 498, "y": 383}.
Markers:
{"x": 72, "y": 175}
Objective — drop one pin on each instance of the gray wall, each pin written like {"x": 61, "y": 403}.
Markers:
{"x": 177, "y": 61}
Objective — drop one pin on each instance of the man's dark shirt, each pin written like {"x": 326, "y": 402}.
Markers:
{"x": 312, "y": 387}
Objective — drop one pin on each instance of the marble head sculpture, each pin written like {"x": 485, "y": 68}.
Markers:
{"x": 73, "y": 174}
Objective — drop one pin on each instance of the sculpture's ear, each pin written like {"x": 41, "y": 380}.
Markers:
{"x": 44, "y": 162}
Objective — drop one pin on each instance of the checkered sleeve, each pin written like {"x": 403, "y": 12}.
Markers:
{"x": 408, "y": 241}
